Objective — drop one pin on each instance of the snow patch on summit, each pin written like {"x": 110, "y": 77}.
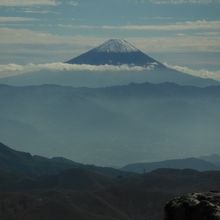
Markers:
{"x": 116, "y": 46}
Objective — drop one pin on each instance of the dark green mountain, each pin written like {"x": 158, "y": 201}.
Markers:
{"x": 12, "y": 162}
{"x": 25, "y": 163}
{"x": 82, "y": 193}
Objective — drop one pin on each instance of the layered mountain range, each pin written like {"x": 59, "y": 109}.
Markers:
{"x": 113, "y": 125}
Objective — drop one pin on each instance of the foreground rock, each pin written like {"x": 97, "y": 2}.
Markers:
{"x": 195, "y": 206}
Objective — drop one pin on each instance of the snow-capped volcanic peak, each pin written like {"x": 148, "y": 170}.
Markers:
{"x": 116, "y": 46}
{"x": 116, "y": 52}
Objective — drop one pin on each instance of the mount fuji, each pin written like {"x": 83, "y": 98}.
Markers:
{"x": 115, "y": 62}
{"x": 116, "y": 52}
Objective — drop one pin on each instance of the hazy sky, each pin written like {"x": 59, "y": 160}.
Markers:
{"x": 179, "y": 32}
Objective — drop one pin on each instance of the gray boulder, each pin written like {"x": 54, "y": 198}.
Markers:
{"x": 194, "y": 206}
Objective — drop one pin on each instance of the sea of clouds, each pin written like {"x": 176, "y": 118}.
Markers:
{"x": 7, "y": 70}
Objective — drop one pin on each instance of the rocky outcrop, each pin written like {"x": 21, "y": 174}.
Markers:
{"x": 194, "y": 206}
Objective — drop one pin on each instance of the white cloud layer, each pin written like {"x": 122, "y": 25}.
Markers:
{"x": 26, "y": 36}
{"x": 178, "y": 2}
{"x": 203, "y": 73}
{"x": 15, "y": 19}
{"x": 181, "y": 43}
{"x": 21, "y": 3}
{"x": 7, "y": 70}
{"x": 177, "y": 43}
{"x": 16, "y": 69}
{"x": 188, "y": 25}
{"x": 75, "y": 3}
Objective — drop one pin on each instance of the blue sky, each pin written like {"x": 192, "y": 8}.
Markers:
{"x": 179, "y": 32}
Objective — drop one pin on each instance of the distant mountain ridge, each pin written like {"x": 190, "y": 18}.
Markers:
{"x": 187, "y": 163}
{"x": 213, "y": 158}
